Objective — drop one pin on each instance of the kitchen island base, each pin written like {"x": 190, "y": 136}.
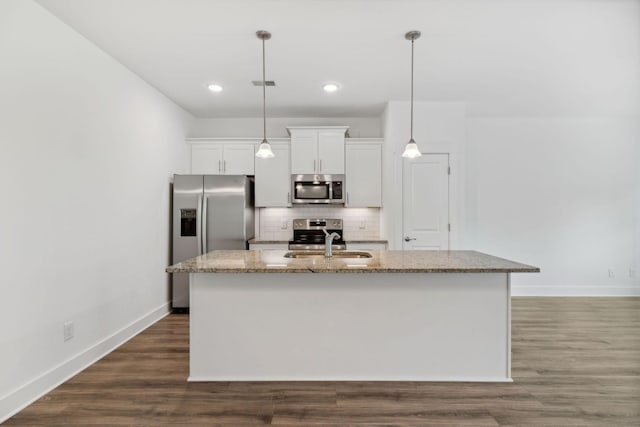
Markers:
{"x": 350, "y": 326}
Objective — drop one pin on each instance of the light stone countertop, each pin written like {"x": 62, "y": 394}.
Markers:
{"x": 273, "y": 261}
{"x": 286, "y": 242}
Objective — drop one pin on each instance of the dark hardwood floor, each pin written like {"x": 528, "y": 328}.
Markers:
{"x": 576, "y": 362}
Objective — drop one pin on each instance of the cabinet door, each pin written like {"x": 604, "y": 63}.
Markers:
{"x": 331, "y": 152}
{"x": 366, "y": 246}
{"x": 238, "y": 159}
{"x": 206, "y": 159}
{"x": 364, "y": 175}
{"x": 304, "y": 152}
{"x": 273, "y": 179}
{"x": 278, "y": 246}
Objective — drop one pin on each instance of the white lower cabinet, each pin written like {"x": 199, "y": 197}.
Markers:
{"x": 273, "y": 178}
{"x": 363, "y": 175}
{"x": 279, "y": 246}
{"x": 369, "y": 246}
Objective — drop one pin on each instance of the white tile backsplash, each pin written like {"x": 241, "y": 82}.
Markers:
{"x": 357, "y": 223}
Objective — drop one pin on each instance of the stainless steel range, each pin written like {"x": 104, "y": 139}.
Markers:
{"x": 308, "y": 234}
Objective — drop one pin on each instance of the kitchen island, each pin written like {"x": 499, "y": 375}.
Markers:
{"x": 399, "y": 315}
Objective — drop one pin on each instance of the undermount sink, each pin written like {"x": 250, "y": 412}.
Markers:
{"x": 336, "y": 254}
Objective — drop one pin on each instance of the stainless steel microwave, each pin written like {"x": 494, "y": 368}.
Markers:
{"x": 311, "y": 189}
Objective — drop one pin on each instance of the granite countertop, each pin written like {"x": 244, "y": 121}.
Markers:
{"x": 274, "y": 242}
{"x": 273, "y": 261}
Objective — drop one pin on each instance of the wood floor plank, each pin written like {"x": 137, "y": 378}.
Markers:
{"x": 576, "y": 362}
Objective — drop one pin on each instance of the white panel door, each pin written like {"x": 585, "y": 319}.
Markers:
{"x": 238, "y": 159}
{"x": 304, "y": 152}
{"x": 273, "y": 180}
{"x": 426, "y": 202}
{"x": 331, "y": 152}
{"x": 206, "y": 159}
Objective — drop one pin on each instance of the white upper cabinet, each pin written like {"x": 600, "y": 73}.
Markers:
{"x": 364, "y": 173}
{"x": 317, "y": 150}
{"x": 304, "y": 151}
{"x": 238, "y": 159}
{"x": 222, "y": 157}
{"x": 273, "y": 178}
{"x": 206, "y": 159}
{"x": 331, "y": 152}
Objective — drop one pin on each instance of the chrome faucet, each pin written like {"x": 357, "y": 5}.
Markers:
{"x": 328, "y": 240}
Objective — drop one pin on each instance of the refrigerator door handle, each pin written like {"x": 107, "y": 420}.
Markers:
{"x": 204, "y": 225}
{"x": 199, "y": 224}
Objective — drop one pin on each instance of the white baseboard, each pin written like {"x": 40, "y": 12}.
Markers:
{"x": 15, "y": 401}
{"x": 574, "y": 291}
{"x": 348, "y": 378}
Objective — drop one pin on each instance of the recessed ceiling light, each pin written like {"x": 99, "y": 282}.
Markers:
{"x": 215, "y": 88}
{"x": 330, "y": 87}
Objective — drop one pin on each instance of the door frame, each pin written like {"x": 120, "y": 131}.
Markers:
{"x": 402, "y": 229}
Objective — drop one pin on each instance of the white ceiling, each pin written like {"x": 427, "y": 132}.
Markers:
{"x": 502, "y": 57}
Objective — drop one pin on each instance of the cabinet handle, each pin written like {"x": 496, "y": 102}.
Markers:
{"x": 347, "y": 198}
{"x": 314, "y": 165}
{"x": 219, "y": 166}
{"x": 224, "y": 166}
{"x": 289, "y": 198}
{"x": 320, "y": 165}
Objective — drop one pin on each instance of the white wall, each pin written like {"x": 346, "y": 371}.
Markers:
{"x": 558, "y": 193}
{"x": 359, "y": 127}
{"x": 87, "y": 149}
{"x": 636, "y": 195}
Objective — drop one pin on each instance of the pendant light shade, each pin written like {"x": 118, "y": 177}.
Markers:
{"x": 264, "y": 151}
{"x": 411, "y": 150}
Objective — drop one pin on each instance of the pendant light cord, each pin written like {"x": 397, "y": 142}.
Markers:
{"x": 412, "y": 40}
{"x": 264, "y": 94}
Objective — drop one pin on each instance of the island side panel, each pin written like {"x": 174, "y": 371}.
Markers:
{"x": 349, "y": 326}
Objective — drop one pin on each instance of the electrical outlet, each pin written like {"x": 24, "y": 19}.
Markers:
{"x": 68, "y": 330}
{"x": 284, "y": 225}
{"x": 611, "y": 274}
{"x": 362, "y": 225}
{"x": 632, "y": 273}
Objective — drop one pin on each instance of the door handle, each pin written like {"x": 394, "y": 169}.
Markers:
{"x": 199, "y": 224}
{"x": 204, "y": 225}
{"x": 408, "y": 239}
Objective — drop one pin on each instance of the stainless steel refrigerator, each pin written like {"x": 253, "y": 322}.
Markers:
{"x": 209, "y": 212}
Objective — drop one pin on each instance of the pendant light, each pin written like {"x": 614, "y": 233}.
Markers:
{"x": 264, "y": 151}
{"x": 411, "y": 150}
